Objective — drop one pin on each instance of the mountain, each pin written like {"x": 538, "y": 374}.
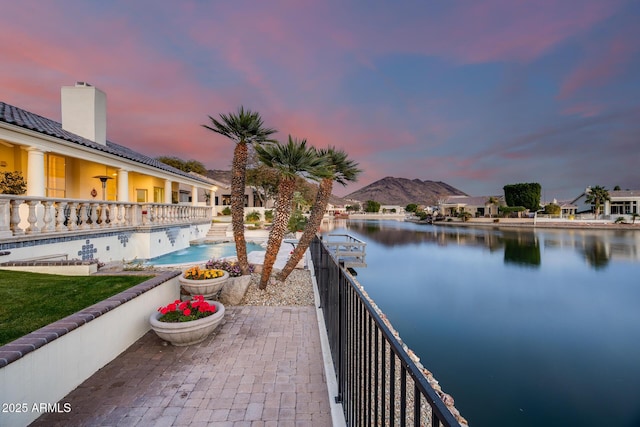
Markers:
{"x": 402, "y": 191}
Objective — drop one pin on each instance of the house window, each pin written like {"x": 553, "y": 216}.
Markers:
{"x": 141, "y": 195}
{"x": 56, "y": 176}
{"x": 158, "y": 195}
{"x": 623, "y": 208}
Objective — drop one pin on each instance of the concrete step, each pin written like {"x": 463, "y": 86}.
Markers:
{"x": 218, "y": 230}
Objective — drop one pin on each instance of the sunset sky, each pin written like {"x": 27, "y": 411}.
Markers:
{"x": 477, "y": 94}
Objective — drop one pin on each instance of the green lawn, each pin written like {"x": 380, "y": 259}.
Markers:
{"x": 29, "y": 301}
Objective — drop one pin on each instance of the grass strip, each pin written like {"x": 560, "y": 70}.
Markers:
{"x": 29, "y": 301}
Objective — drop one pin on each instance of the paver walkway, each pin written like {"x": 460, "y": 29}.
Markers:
{"x": 263, "y": 367}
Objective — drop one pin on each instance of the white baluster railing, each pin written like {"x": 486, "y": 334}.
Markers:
{"x": 29, "y": 216}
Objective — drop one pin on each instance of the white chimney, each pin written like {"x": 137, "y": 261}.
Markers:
{"x": 84, "y": 111}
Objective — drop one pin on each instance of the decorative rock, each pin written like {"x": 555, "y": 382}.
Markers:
{"x": 234, "y": 290}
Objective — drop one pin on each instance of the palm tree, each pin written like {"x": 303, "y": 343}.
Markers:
{"x": 291, "y": 160}
{"x": 597, "y": 196}
{"x": 492, "y": 201}
{"x": 243, "y": 128}
{"x": 341, "y": 170}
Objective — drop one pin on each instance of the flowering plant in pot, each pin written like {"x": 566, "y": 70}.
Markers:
{"x": 187, "y": 322}
{"x": 196, "y": 273}
{"x": 207, "y": 282}
{"x": 186, "y": 311}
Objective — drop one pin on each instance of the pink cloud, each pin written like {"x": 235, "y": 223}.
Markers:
{"x": 496, "y": 30}
{"x": 604, "y": 62}
{"x": 585, "y": 109}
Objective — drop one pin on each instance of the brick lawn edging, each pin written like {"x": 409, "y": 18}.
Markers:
{"x": 47, "y": 364}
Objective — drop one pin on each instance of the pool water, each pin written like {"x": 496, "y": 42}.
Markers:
{"x": 201, "y": 253}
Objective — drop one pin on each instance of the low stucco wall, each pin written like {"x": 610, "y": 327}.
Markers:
{"x": 39, "y": 369}
{"x": 105, "y": 245}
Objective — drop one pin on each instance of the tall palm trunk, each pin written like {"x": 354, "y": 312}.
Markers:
{"x": 279, "y": 228}
{"x": 239, "y": 166}
{"x": 310, "y": 230}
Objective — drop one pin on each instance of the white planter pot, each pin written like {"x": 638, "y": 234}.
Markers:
{"x": 187, "y": 333}
{"x": 206, "y": 288}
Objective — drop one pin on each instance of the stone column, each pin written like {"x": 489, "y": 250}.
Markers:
{"x": 35, "y": 173}
{"x": 167, "y": 191}
{"x": 194, "y": 195}
{"x": 212, "y": 200}
{"x": 123, "y": 185}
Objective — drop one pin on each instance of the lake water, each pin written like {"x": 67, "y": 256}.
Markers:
{"x": 521, "y": 327}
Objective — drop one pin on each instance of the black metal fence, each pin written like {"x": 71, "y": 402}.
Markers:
{"x": 378, "y": 382}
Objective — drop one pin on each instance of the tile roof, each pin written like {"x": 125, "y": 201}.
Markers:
{"x": 624, "y": 193}
{"x": 471, "y": 200}
{"x": 24, "y": 119}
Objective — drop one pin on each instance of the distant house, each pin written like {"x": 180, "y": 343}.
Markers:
{"x": 623, "y": 203}
{"x": 567, "y": 208}
{"x": 477, "y": 206}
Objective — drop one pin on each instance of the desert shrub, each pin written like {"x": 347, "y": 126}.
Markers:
{"x": 253, "y": 216}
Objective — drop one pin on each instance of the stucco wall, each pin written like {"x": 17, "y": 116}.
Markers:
{"x": 75, "y": 348}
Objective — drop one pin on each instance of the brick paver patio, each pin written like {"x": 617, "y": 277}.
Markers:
{"x": 263, "y": 367}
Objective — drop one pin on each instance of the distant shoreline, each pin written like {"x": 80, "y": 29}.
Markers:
{"x": 539, "y": 224}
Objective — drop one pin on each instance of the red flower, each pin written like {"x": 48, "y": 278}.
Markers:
{"x": 186, "y": 312}
{"x": 164, "y": 310}
{"x": 172, "y": 306}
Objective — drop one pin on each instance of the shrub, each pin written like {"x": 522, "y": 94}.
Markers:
{"x": 372, "y": 206}
{"x": 268, "y": 216}
{"x": 464, "y": 216}
{"x": 253, "y": 216}
{"x": 620, "y": 220}
{"x": 422, "y": 215}
{"x": 226, "y": 211}
{"x": 552, "y": 209}
{"x": 510, "y": 210}
{"x": 231, "y": 267}
{"x": 12, "y": 183}
{"x": 297, "y": 221}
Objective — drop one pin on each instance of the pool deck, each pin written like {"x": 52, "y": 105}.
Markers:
{"x": 263, "y": 367}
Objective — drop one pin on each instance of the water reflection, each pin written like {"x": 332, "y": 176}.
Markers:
{"x": 515, "y": 323}
{"x": 522, "y": 250}
{"x": 521, "y": 247}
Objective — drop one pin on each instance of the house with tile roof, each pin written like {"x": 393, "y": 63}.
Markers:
{"x": 70, "y": 159}
{"x": 622, "y": 203}
{"x": 82, "y": 186}
{"x": 477, "y": 206}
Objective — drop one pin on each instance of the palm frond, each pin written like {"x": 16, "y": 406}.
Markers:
{"x": 245, "y": 126}
{"x": 293, "y": 159}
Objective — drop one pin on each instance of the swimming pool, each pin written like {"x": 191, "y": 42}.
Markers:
{"x": 201, "y": 253}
